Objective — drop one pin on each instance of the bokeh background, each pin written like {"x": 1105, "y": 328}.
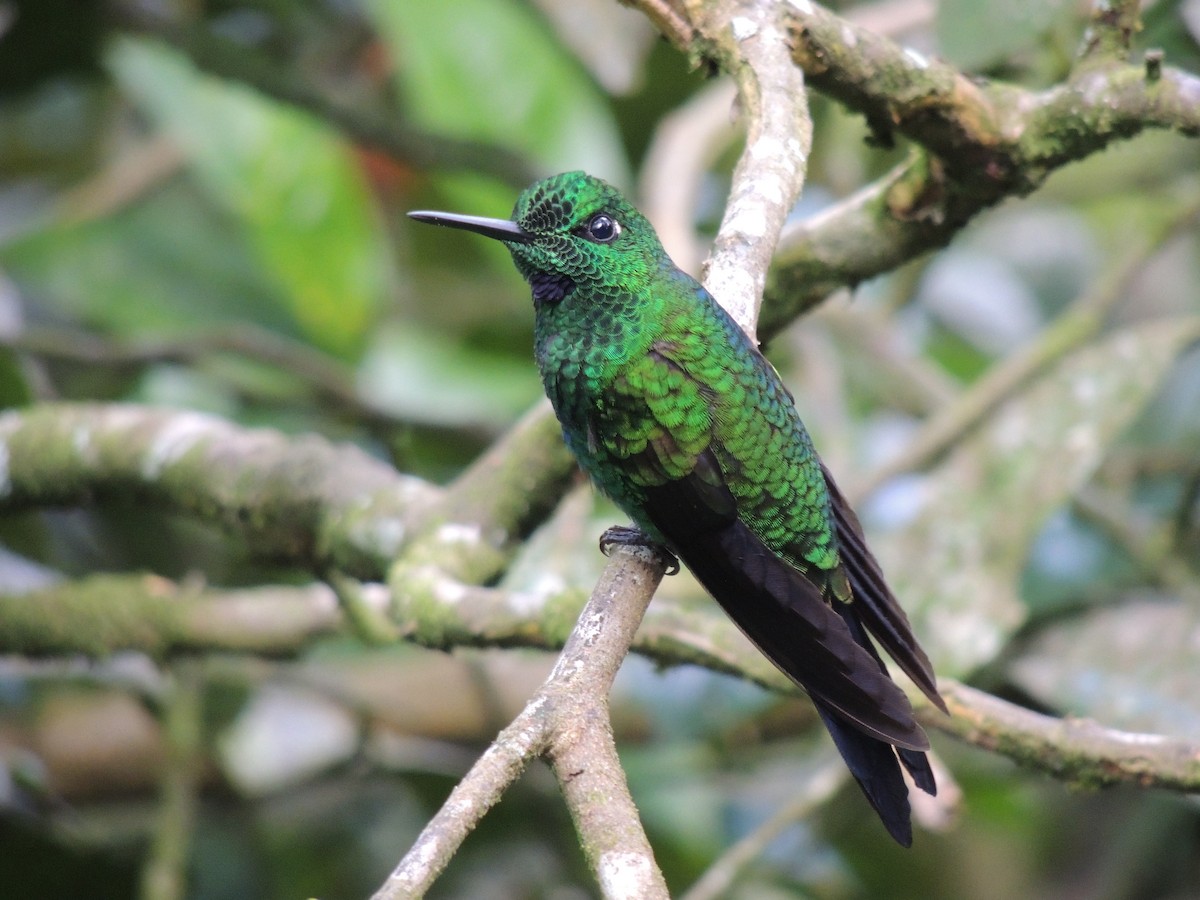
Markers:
{"x": 202, "y": 206}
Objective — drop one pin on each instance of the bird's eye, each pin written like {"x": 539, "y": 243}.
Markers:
{"x": 603, "y": 228}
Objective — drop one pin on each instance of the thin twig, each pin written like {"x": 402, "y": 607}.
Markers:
{"x": 164, "y": 874}
{"x": 719, "y": 878}
{"x": 1150, "y": 547}
{"x": 1111, "y": 30}
{"x": 671, "y": 23}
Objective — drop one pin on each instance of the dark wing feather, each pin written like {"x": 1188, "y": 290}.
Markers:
{"x": 779, "y": 609}
{"x": 915, "y": 762}
{"x": 876, "y": 606}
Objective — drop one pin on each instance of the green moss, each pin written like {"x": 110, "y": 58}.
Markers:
{"x": 95, "y": 616}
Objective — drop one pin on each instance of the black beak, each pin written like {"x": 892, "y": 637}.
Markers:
{"x": 500, "y": 229}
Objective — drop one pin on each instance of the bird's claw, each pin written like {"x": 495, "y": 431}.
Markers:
{"x": 625, "y": 535}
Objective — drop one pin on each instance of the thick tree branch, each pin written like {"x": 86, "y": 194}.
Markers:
{"x": 981, "y": 143}
{"x": 303, "y": 500}
{"x": 897, "y": 89}
{"x": 987, "y": 133}
{"x": 748, "y": 38}
{"x": 104, "y": 614}
{"x": 1078, "y": 751}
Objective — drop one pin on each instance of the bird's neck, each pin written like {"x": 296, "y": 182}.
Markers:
{"x": 588, "y": 337}
{"x": 603, "y": 323}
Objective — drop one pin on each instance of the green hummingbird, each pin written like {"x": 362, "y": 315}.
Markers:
{"x": 675, "y": 414}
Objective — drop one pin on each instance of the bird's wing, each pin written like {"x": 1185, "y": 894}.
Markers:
{"x": 664, "y": 437}
{"x": 875, "y": 604}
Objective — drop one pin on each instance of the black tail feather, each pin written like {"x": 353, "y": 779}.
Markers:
{"x": 874, "y": 766}
{"x": 787, "y": 618}
{"x": 822, "y": 646}
{"x": 877, "y": 607}
{"x": 918, "y": 768}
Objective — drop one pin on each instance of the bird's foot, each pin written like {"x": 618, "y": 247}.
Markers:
{"x": 628, "y": 536}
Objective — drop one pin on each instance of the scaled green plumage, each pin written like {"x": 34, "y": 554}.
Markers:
{"x": 676, "y": 416}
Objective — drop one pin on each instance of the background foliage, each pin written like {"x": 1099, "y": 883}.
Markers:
{"x": 202, "y": 207}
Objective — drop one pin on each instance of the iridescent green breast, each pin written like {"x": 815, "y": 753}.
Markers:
{"x": 644, "y": 386}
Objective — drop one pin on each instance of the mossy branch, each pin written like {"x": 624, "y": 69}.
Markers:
{"x": 302, "y": 500}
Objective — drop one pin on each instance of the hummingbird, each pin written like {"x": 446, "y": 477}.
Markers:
{"x": 676, "y": 415}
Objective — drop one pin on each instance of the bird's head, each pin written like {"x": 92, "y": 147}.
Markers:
{"x": 569, "y": 230}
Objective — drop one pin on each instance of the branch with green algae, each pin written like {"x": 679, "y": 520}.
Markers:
{"x": 299, "y": 499}
{"x": 302, "y": 500}
{"x": 981, "y": 143}
{"x": 1077, "y": 751}
{"x": 329, "y": 508}
{"x": 281, "y": 621}
{"x": 991, "y": 135}
{"x": 100, "y": 615}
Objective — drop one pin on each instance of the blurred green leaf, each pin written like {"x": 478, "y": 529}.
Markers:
{"x": 975, "y": 35}
{"x": 288, "y": 180}
{"x": 421, "y": 376}
{"x": 1132, "y": 666}
{"x": 958, "y": 566}
{"x": 166, "y": 263}
{"x": 491, "y": 71}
